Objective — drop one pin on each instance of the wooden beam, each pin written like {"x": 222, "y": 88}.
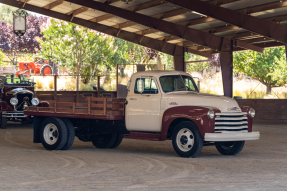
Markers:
{"x": 254, "y": 24}
{"x": 212, "y": 41}
{"x": 54, "y": 4}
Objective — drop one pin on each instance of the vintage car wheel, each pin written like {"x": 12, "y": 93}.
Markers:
{"x": 71, "y": 134}
{"x": 186, "y": 140}
{"x": 3, "y": 122}
{"x": 118, "y": 141}
{"x": 230, "y": 148}
{"x": 53, "y": 134}
{"x": 103, "y": 141}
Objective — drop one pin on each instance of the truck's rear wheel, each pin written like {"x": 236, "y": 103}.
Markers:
{"x": 230, "y": 148}
{"x": 71, "y": 134}
{"x": 53, "y": 134}
{"x": 103, "y": 141}
{"x": 186, "y": 140}
{"x": 118, "y": 141}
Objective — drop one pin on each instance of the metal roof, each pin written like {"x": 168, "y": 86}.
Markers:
{"x": 165, "y": 10}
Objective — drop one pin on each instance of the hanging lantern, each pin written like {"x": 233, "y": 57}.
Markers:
{"x": 19, "y": 22}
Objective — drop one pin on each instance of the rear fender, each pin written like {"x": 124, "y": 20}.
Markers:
{"x": 196, "y": 114}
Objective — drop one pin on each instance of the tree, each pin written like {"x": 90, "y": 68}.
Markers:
{"x": 6, "y": 13}
{"x": 13, "y": 46}
{"x": 78, "y": 49}
{"x": 269, "y": 68}
{"x": 1, "y": 57}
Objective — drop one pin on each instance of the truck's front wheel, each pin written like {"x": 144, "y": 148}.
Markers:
{"x": 103, "y": 141}
{"x": 230, "y": 148}
{"x": 53, "y": 134}
{"x": 186, "y": 140}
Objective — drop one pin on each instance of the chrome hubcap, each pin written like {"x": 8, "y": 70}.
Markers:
{"x": 51, "y": 134}
{"x": 185, "y": 140}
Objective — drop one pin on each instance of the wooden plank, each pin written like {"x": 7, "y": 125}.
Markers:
{"x": 65, "y": 104}
{"x": 97, "y": 112}
{"x": 81, "y": 111}
{"x": 74, "y": 105}
{"x": 97, "y": 99}
{"x": 61, "y": 110}
{"x": 97, "y": 105}
{"x": 81, "y": 104}
{"x": 55, "y": 108}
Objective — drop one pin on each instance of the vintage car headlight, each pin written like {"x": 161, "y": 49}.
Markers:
{"x": 14, "y": 101}
{"x": 210, "y": 114}
{"x": 251, "y": 113}
{"x": 35, "y": 101}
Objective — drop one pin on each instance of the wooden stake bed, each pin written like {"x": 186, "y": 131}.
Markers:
{"x": 93, "y": 108}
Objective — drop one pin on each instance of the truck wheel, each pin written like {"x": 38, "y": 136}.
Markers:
{"x": 71, "y": 134}
{"x": 53, "y": 133}
{"x": 46, "y": 69}
{"x": 3, "y": 122}
{"x": 118, "y": 141}
{"x": 186, "y": 140}
{"x": 230, "y": 148}
{"x": 103, "y": 141}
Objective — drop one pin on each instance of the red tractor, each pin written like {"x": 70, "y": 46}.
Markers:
{"x": 28, "y": 68}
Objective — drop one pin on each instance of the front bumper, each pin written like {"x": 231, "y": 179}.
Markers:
{"x": 239, "y": 136}
{"x": 15, "y": 114}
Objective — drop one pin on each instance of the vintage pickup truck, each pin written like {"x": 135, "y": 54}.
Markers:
{"x": 160, "y": 105}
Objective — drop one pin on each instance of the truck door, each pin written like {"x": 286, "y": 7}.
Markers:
{"x": 143, "y": 109}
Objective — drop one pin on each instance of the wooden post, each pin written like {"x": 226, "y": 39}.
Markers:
{"x": 105, "y": 106}
{"x": 98, "y": 86}
{"x": 89, "y": 105}
{"x": 55, "y": 88}
{"x": 74, "y": 108}
{"x": 117, "y": 76}
{"x": 77, "y": 96}
{"x": 55, "y": 109}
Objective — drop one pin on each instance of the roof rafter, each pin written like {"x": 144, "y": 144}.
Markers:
{"x": 54, "y": 4}
{"x": 206, "y": 39}
{"x": 161, "y": 46}
{"x": 251, "y": 23}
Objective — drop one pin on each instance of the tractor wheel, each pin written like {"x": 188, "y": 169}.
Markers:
{"x": 46, "y": 69}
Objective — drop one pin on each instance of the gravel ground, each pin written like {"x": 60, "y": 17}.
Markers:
{"x": 141, "y": 165}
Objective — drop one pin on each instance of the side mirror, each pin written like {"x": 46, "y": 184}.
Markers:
{"x": 140, "y": 85}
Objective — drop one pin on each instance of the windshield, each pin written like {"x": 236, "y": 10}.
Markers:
{"x": 177, "y": 83}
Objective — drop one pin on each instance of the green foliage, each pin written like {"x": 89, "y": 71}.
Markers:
{"x": 269, "y": 68}
{"x": 6, "y": 13}
{"x": 78, "y": 49}
{"x": 1, "y": 57}
{"x": 198, "y": 66}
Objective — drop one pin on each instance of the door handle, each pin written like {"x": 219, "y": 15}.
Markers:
{"x": 133, "y": 98}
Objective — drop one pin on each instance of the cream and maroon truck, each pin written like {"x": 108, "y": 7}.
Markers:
{"x": 160, "y": 105}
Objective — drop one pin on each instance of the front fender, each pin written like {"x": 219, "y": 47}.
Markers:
{"x": 196, "y": 114}
{"x": 43, "y": 104}
{"x": 249, "y": 119}
{"x": 5, "y": 107}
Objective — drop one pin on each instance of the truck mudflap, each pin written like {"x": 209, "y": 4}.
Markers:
{"x": 238, "y": 136}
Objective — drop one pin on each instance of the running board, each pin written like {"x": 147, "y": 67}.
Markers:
{"x": 144, "y": 136}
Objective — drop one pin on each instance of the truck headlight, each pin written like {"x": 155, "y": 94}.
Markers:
{"x": 210, "y": 114}
{"x": 251, "y": 113}
{"x": 35, "y": 101}
{"x": 14, "y": 101}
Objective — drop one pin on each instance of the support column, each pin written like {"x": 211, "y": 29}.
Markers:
{"x": 178, "y": 59}
{"x": 226, "y": 61}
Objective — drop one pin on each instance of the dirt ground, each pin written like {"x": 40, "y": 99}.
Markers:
{"x": 141, "y": 165}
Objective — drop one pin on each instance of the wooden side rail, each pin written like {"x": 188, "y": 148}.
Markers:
{"x": 91, "y": 106}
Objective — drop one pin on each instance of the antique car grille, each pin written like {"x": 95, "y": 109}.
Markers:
{"x": 231, "y": 122}
{"x": 20, "y": 98}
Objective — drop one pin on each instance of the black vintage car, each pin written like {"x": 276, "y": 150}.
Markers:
{"x": 16, "y": 95}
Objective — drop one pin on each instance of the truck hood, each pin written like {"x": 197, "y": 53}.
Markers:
{"x": 224, "y": 104}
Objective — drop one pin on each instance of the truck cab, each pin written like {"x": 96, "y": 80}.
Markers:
{"x": 169, "y": 102}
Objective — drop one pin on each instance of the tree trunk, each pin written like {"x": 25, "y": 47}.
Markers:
{"x": 78, "y": 77}
{"x": 159, "y": 63}
{"x": 269, "y": 88}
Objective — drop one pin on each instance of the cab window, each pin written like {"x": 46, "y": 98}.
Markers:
{"x": 149, "y": 86}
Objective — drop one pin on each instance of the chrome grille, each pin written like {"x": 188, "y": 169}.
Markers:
{"x": 231, "y": 122}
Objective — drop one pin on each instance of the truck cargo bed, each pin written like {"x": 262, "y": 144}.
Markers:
{"x": 92, "y": 108}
